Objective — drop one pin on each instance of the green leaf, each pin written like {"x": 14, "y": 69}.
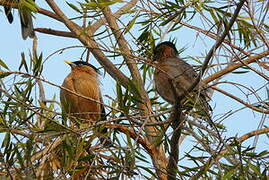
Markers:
{"x": 130, "y": 25}
{"x": 239, "y": 72}
{"x": 229, "y": 173}
{"x": 119, "y": 93}
{"x": 255, "y": 169}
{"x": 171, "y": 18}
{"x": 28, "y": 5}
{"x": 19, "y": 157}
{"x": 104, "y": 3}
{"x": 23, "y": 63}
{"x": 3, "y": 64}
{"x": 73, "y": 7}
{"x": 213, "y": 15}
{"x": 52, "y": 126}
{"x": 2, "y": 122}
{"x": 149, "y": 171}
{"x": 38, "y": 66}
{"x": 6, "y": 140}
{"x": 263, "y": 153}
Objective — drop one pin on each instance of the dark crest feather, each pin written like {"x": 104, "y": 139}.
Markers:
{"x": 83, "y": 63}
{"x": 166, "y": 43}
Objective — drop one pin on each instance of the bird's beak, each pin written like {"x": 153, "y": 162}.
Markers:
{"x": 69, "y": 63}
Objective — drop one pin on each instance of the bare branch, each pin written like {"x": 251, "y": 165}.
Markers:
{"x": 241, "y": 101}
{"x": 39, "y": 10}
{"x": 178, "y": 120}
{"x": 55, "y": 32}
{"x": 222, "y": 153}
{"x": 133, "y": 135}
{"x": 255, "y": 70}
{"x": 214, "y": 36}
{"x": 88, "y": 41}
{"x": 117, "y": 14}
{"x": 234, "y": 66}
{"x": 145, "y": 105}
{"x": 124, "y": 48}
{"x": 217, "y": 44}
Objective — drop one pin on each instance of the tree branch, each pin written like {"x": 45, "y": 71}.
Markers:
{"x": 234, "y": 66}
{"x": 117, "y": 14}
{"x": 254, "y": 70}
{"x": 133, "y": 135}
{"x": 55, "y": 32}
{"x": 214, "y": 36}
{"x": 222, "y": 153}
{"x": 241, "y": 101}
{"x": 178, "y": 120}
{"x": 217, "y": 44}
{"x": 39, "y": 10}
{"x": 151, "y": 132}
{"x": 88, "y": 41}
{"x": 123, "y": 45}
{"x": 205, "y": 32}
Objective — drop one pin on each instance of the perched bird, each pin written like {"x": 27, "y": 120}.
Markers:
{"x": 173, "y": 77}
{"x": 27, "y": 29}
{"x": 83, "y": 80}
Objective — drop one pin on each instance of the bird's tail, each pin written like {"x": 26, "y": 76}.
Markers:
{"x": 104, "y": 138}
{"x": 199, "y": 106}
{"x": 27, "y": 29}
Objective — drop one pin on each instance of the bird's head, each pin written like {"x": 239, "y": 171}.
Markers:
{"x": 81, "y": 66}
{"x": 164, "y": 50}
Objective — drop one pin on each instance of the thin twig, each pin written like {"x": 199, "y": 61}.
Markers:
{"x": 88, "y": 41}
{"x": 217, "y": 44}
{"x": 55, "y": 32}
{"x": 234, "y": 66}
{"x": 241, "y": 101}
{"x": 222, "y": 153}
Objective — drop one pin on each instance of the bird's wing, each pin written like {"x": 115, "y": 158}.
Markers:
{"x": 103, "y": 111}
{"x": 183, "y": 75}
{"x": 103, "y": 118}
{"x": 179, "y": 68}
{"x": 89, "y": 87}
{"x": 69, "y": 101}
{"x": 27, "y": 29}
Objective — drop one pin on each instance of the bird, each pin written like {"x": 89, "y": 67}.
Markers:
{"x": 83, "y": 80}
{"x": 173, "y": 77}
{"x": 27, "y": 29}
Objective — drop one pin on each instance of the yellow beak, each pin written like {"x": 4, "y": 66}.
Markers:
{"x": 68, "y": 62}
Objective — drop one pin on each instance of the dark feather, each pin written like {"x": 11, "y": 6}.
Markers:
{"x": 8, "y": 14}
{"x": 173, "y": 77}
{"x": 27, "y": 29}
